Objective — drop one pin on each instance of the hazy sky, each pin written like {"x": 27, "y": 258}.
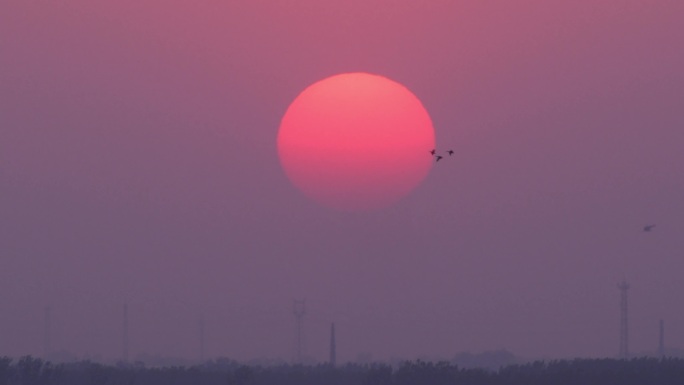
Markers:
{"x": 138, "y": 162}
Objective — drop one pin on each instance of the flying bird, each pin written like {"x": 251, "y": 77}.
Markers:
{"x": 648, "y": 227}
{"x": 437, "y": 158}
{"x": 432, "y": 152}
{"x": 451, "y": 152}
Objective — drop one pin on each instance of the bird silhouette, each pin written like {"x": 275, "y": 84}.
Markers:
{"x": 438, "y": 158}
{"x": 432, "y": 152}
{"x": 451, "y": 152}
{"x": 649, "y": 227}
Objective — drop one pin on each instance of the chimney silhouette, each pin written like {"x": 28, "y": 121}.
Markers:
{"x": 333, "y": 346}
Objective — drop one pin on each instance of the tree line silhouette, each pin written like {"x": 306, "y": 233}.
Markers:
{"x": 658, "y": 371}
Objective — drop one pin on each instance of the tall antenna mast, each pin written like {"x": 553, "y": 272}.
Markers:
{"x": 299, "y": 310}
{"x": 624, "y": 324}
{"x": 333, "y": 346}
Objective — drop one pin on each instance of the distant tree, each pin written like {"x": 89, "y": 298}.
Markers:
{"x": 5, "y": 370}
{"x": 243, "y": 375}
{"x": 28, "y": 370}
{"x": 378, "y": 374}
{"x": 657, "y": 371}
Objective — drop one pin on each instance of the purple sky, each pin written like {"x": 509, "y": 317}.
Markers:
{"x": 138, "y": 160}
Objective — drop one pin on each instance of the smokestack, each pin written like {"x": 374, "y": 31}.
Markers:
{"x": 624, "y": 321}
{"x": 125, "y": 332}
{"x": 201, "y": 338}
{"x": 661, "y": 340}
{"x": 47, "y": 338}
{"x": 333, "y": 346}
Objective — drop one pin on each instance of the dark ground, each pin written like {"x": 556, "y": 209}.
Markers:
{"x": 651, "y": 371}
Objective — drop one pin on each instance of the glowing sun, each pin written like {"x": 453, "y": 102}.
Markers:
{"x": 356, "y": 141}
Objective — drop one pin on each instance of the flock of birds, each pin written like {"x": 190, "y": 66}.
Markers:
{"x": 438, "y": 157}
{"x": 433, "y": 152}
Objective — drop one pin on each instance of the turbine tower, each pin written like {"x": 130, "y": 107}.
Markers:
{"x": 299, "y": 310}
{"x": 624, "y": 325}
{"x": 333, "y": 346}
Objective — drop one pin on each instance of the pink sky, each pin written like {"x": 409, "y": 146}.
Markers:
{"x": 138, "y": 160}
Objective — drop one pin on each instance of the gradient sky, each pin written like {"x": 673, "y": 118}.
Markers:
{"x": 138, "y": 162}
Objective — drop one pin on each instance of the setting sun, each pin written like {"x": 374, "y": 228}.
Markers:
{"x": 356, "y": 141}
